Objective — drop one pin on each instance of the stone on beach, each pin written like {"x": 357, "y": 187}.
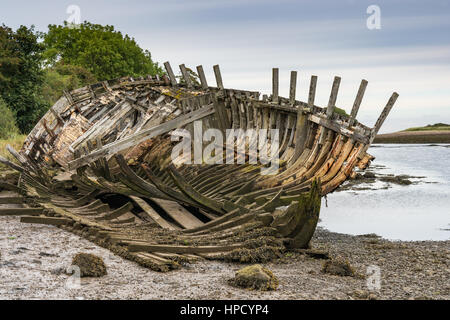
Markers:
{"x": 90, "y": 265}
{"x": 255, "y": 277}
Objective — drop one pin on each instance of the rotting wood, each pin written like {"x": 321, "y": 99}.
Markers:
{"x": 99, "y": 164}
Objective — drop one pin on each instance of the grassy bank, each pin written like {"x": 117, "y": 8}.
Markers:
{"x": 432, "y": 133}
{"x": 15, "y": 142}
{"x": 431, "y": 127}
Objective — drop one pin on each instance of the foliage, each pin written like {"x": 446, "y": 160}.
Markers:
{"x": 105, "y": 52}
{"x": 21, "y": 74}
{"x": 8, "y": 128}
{"x": 64, "y": 77}
{"x": 436, "y": 126}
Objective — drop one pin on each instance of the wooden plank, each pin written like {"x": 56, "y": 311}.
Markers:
{"x": 333, "y": 97}
{"x": 384, "y": 115}
{"x": 201, "y": 75}
{"x": 20, "y": 211}
{"x": 179, "y": 214}
{"x": 141, "y": 136}
{"x": 293, "y": 87}
{"x": 329, "y": 124}
{"x": 312, "y": 91}
{"x": 186, "y": 76}
{"x": 357, "y": 103}
{"x": 45, "y": 220}
{"x": 11, "y": 200}
{"x": 152, "y": 213}
{"x": 275, "y": 84}
{"x": 218, "y": 76}
{"x": 136, "y": 246}
{"x": 173, "y": 80}
{"x": 117, "y": 213}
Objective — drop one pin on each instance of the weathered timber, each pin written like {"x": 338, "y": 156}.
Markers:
{"x": 100, "y": 164}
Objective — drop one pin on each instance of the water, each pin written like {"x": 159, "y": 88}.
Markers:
{"x": 414, "y": 212}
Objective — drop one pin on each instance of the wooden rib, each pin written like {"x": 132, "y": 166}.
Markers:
{"x": 134, "y": 246}
{"x": 11, "y": 200}
{"x": 186, "y": 76}
{"x": 275, "y": 84}
{"x": 357, "y": 103}
{"x": 179, "y": 214}
{"x": 218, "y": 77}
{"x": 201, "y": 75}
{"x": 153, "y": 214}
{"x": 20, "y": 211}
{"x": 293, "y": 87}
{"x": 173, "y": 79}
{"x": 45, "y": 220}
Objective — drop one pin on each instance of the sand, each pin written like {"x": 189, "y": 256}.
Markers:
{"x": 34, "y": 259}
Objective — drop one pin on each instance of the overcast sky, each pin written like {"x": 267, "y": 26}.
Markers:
{"x": 410, "y": 54}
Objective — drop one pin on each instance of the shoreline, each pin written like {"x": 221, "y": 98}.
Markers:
{"x": 34, "y": 257}
{"x": 414, "y": 137}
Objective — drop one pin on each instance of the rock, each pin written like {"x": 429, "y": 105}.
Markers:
{"x": 360, "y": 294}
{"x": 90, "y": 265}
{"x": 317, "y": 254}
{"x": 338, "y": 267}
{"x": 255, "y": 277}
{"x": 369, "y": 175}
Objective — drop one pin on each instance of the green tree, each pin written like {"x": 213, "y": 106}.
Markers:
{"x": 64, "y": 77}
{"x": 21, "y": 75}
{"x": 8, "y": 128}
{"x": 105, "y": 52}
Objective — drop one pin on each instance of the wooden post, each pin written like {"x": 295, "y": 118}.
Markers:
{"x": 312, "y": 92}
{"x": 275, "y": 84}
{"x": 333, "y": 97}
{"x": 359, "y": 97}
{"x": 201, "y": 75}
{"x": 293, "y": 87}
{"x": 302, "y": 126}
{"x": 384, "y": 115}
{"x": 186, "y": 77}
{"x": 173, "y": 80}
{"x": 218, "y": 77}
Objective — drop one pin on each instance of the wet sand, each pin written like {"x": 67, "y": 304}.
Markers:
{"x": 34, "y": 258}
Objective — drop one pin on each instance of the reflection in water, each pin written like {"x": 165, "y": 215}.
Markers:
{"x": 414, "y": 212}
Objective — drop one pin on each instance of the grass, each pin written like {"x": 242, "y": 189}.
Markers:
{"x": 436, "y": 126}
{"x": 16, "y": 142}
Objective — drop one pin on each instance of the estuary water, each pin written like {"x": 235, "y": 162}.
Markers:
{"x": 419, "y": 211}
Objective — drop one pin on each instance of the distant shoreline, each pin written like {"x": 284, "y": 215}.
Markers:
{"x": 428, "y": 136}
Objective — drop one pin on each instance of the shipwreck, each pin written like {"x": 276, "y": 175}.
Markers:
{"x": 98, "y": 164}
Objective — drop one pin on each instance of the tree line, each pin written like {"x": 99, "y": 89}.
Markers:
{"x": 35, "y": 67}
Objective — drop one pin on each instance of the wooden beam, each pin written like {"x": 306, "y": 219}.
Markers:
{"x": 141, "y": 136}
{"x": 330, "y": 124}
{"x": 333, "y": 97}
{"x": 136, "y": 246}
{"x": 384, "y": 115}
{"x": 20, "y": 211}
{"x": 218, "y": 77}
{"x": 201, "y": 75}
{"x": 275, "y": 84}
{"x": 173, "y": 80}
{"x": 45, "y": 220}
{"x": 357, "y": 103}
{"x": 11, "y": 200}
{"x": 186, "y": 76}
{"x": 312, "y": 91}
{"x": 293, "y": 87}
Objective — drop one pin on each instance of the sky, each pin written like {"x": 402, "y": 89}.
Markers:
{"x": 408, "y": 54}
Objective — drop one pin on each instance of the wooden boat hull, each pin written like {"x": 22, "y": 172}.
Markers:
{"x": 100, "y": 164}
